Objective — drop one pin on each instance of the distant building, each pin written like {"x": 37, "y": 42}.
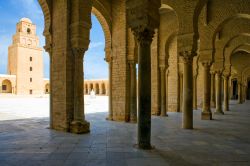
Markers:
{"x": 25, "y": 66}
{"x": 25, "y": 63}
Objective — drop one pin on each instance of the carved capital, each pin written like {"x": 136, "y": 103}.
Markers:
{"x": 80, "y": 24}
{"x": 143, "y": 14}
{"x": 48, "y": 48}
{"x": 218, "y": 72}
{"x": 206, "y": 64}
{"x": 226, "y": 75}
{"x": 187, "y": 56}
{"x": 78, "y": 52}
{"x": 162, "y": 69}
{"x": 131, "y": 63}
{"x": 144, "y": 37}
{"x": 108, "y": 59}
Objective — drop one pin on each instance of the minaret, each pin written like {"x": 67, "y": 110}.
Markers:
{"x": 25, "y": 59}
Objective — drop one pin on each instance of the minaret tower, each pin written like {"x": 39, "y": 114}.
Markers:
{"x": 25, "y": 59}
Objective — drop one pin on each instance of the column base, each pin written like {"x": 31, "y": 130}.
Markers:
{"x": 206, "y": 116}
{"x": 109, "y": 118}
{"x": 164, "y": 115}
{"x": 133, "y": 120}
{"x": 144, "y": 146}
{"x": 219, "y": 112}
{"x": 212, "y": 104}
{"x": 79, "y": 127}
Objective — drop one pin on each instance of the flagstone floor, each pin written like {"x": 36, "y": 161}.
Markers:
{"x": 224, "y": 141}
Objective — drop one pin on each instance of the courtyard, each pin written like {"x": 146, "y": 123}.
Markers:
{"x": 26, "y": 140}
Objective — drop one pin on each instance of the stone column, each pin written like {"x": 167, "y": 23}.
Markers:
{"x": 144, "y": 88}
{"x": 110, "y": 115}
{"x": 212, "y": 90}
{"x": 50, "y": 90}
{"x": 133, "y": 97}
{"x": 206, "y": 111}
{"x": 180, "y": 93}
{"x": 187, "y": 117}
{"x": 218, "y": 94}
{"x": 79, "y": 124}
{"x": 195, "y": 92}
{"x": 226, "y": 93}
{"x": 48, "y": 48}
{"x": 163, "y": 90}
{"x": 240, "y": 101}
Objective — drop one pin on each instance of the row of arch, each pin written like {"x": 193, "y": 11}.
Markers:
{"x": 100, "y": 88}
{"x": 189, "y": 32}
{"x": 7, "y": 86}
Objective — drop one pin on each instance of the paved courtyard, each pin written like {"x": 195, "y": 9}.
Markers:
{"x": 22, "y": 107}
{"x": 28, "y": 142}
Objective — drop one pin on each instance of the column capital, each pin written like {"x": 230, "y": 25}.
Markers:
{"x": 187, "y": 56}
{"x": 131, "y": 63}
{"x": 212, "y": 72}
{"x": 48, "y": 48}
{"x": 219, "y": 72}
{"x": 162, "y": 68}
{"x": 108, "y": 59}
{"x": 226, "y": 75}
{"x": 206, "y": 64}
{"x": 144, "y": 36}
{"x": 78, "y": 52}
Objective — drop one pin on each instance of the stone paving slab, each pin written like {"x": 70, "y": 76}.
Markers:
{"x": 222, "y": 141}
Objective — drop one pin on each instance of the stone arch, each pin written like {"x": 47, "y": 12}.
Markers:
{"x": 214, "y": 14}
{"x": 239, "y": 24}
{"x": 233, "y": 43}
{"x": 47, "y": 88}
{"x": 169, "y": 42}
{"x": 104, "y": 19}
{"x": 242, "y": 47}
{"x": 188, "y": 22}
{"x": 170, "y": 19}
{"x": 6, "y": 86}
{"x": 46, "y": 8}
{"x": 91, "y": 86}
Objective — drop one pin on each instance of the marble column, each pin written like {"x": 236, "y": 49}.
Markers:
{"x": 212, "y": 90}
{"x": 226, "y": 93}
{"x": 133, "y": 97}
{"x": 79, "y": 124}
{"x": 144, "y": 39}
{"x": 218, "y": 109}
{"x": 195, "y": 92}
{"x": 187, "y": 117}
{"x": 50, "y": 90}
{"x": 180, "y": 93}
{"x": 163, "y": 90}
{"x": 206, "y": 110}
{"x": 240, "y": 101}
{"x": 48, "y": 49}
{"x": 110, "y": 114}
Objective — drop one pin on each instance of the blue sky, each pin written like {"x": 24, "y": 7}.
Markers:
{"x": 11, "y": 11}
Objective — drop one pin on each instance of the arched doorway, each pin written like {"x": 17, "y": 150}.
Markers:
{"x": 97, "y": 90}
{"x": 91, "y": 87}
{"x": 47, "y": 89}
{"x": 235, "y": 89}
{"x": 86, "y": 89}
{"x": 103, "y": 89}
{"x": 6, "y": 86}
{"x": 248, "y": 90}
